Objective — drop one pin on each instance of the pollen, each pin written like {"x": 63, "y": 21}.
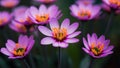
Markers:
{"x": 18, "y": 50}
{"x": 84, "y": 13}
{"x": 42, "y": 18}
{"x": 3, "y": 20}
{"x": 59, "y": 34}
{"x": 21, "y": 27}
{"x": 97, "y": 49}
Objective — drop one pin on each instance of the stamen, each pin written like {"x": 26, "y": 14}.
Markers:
{"x": 59, "y": 34}
{"x": 116, "y": 2}
{"x": 42, "y": 18}
{"x": 84, "y": 13}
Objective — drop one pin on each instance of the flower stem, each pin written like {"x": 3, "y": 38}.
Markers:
{"x": 45, "y": 56}
{"x": 91, "y": 62}
{"x": 59, "y": 57}
{"x": 25, "y": 62}
{"x": 31, "y": 61}
{"x": 109, "y": 23}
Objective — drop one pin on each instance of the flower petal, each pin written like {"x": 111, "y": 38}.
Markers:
{"x": 71, "y": 40}
{"x": 65, "y": 23}
{"x": 47, "y": 41}
{"x": 72, "y": 28}
{"x": 42, "y": 9}
{"x": 87, "y": 51}
{"x": 108, "y": 49}
{"x": 86, "y": 44}
{"x": 55, "y": 44}
{"x": 35, "y": 12}
{"x": 63, "y": 45}
{"x": 74, "y": 34}
{"x": 54, "y": 23}
{"x": 45, "y": 30}
{"x": 6, "y": 52}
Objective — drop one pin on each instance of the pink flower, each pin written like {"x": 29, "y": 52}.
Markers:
{"x": 111, "y": 5}
{"x": 18, "y": 27}
{"x": 97, "y": 47}
{"x": 19, "y": 10}
{"x": 46, "y": 1}
{"x": 9, "y": 3}
{"x": 60, "y": 36}
{"x": 85, "y": 11}
{"x": 4, "y": 18}
{"x": 43, "y": 15}
{"x": 19, "y": 49}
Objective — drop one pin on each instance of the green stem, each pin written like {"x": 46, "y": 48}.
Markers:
{"x": 91, "y": 62}
{"x": 59, "y": 57}
{"x": 25, "y": 62}
{"x": 109, "y": 23}
{"x": 31, "y": 61}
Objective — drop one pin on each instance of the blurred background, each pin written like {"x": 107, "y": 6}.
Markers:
{"x": 73, "y": 56}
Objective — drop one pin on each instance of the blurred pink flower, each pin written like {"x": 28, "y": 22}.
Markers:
{"x": 97, "y": 47}
{"x": 19, "y": 10}
{"x": 60, "y": 36}
{"x": 18, "y": 27}
{"x": 9, "y": 3}
{"x": 19, "y": 49}
{"x": 111, "y": 5}
{"x": 4, "y": 18}
{"x": 43, "y": 15}
{"x": 46, "y": 1}
{"x": 84, "y": 11}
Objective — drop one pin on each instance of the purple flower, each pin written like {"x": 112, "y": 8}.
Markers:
{"x": 84, "y": 11}
{"x": 43, "y": 15}
{"x": 60, "y": 36}
{"x": 19, "y": 49}
{"x": 18, "y": 27}
{"x": 46, "y": 1}
{"x": 19, "y": 10}
{"x": 97, "y": 47}
{"x": 109, "y": 5}
{"x": 24, "y": 18}
{"x": 9, "y": 3}
{"x": 4, "y": 18}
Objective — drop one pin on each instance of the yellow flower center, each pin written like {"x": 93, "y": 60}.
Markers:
{"x": 84, "y": 13}
{"x": 42, "y": 18}
{"x": 19, "y": 51}
{"x": 116, "y": 2}
{"x": 59, "y": 34}
{"x": 97, "y": 50}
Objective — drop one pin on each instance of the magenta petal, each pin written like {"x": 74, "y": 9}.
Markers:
{"x": 72, "y": 28}
{"x": 54, "y": 23}
{"x": 108, "y": 49}
{"x": 6, "y": 52}
{"x": 86, "y": 44}
{"x": 74, "y": 34}
{"x": 63, "y": 45}
{"x": 71, "y": 40}
{"x": 87, "y": 51}
{"x": 56, "y": 44}
{"x": 42, "y": 9}
{"x": 47, "y": 41}
{"x": 94, "y": 38}
{"x": 65, "y": 23}
{"x": 101, "y": 39}
{"x": 45, "y": 30}
{"x": 74, "y": 10}
{"x": 105, "y": 54}
{"x": 9, "y": 47}
{"x": 35, "y": 12}
{"x": 23, "y": 41}
{"x": 17, "y": 57}
{"x": 106, "y": 43}
{"x": 89, "y": 39}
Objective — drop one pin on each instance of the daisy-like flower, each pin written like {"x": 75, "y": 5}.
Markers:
{"x": 97, "y": 47}
{"x": 9, "y": 3}
{"x": 19, "y": 10}
{"x": 4, "y": 18}
{"x": 60, "y": 36}
{"x": 110, "y": 5}
{"x": 46, "y": 1}
{"x": 19, "y": 49}
{"x": 43, "y": 15}
{"x": 18, "y": 27}
{"x": 24, "y": 18}
{"x": 85, "y": 11}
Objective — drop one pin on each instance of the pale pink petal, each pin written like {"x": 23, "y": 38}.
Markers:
{"x": 6, "y": 52}
{"x": 47, "y": 41}
{"x": 63, "y": 45}
{"x": 74, "y": 34}
{"x": 71, "y": 40}
{"x": 86, "y": 44}
{"x": 65, "y": 23}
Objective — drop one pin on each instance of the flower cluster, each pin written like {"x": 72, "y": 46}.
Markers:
{"x": 25, "y": 19}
